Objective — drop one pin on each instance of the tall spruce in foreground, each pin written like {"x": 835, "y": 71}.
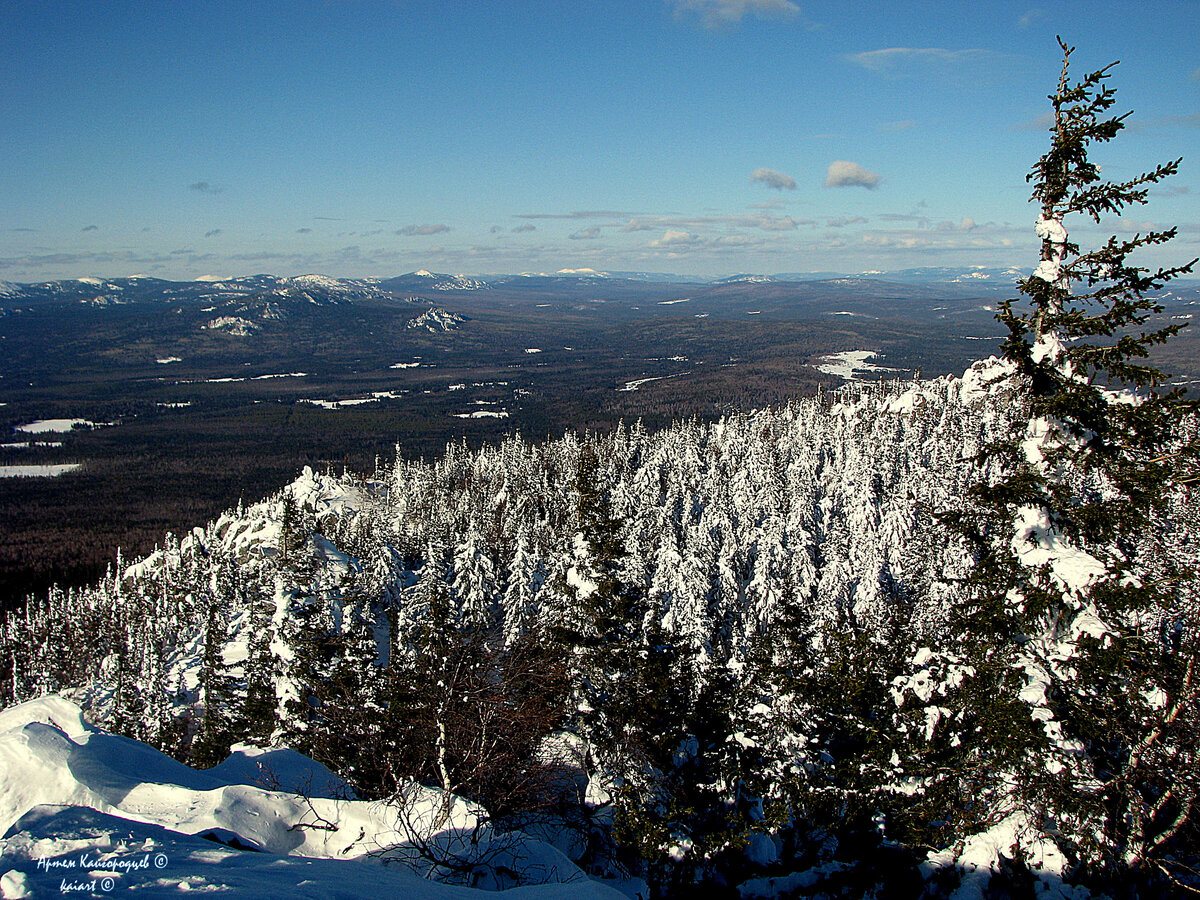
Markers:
{"x": 1089, "y": 643}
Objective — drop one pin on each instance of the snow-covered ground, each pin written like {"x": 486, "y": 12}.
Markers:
{"x": 89, "y": 813}
{"x": 36, "y": 471}
{"x": 848, "y": 363}
{"x": 55, "y": 426}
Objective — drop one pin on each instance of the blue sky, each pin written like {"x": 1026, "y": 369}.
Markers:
{"x": 701, "y": 137}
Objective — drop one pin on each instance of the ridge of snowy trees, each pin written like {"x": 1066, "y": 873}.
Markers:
{"x": 909, "y": 637}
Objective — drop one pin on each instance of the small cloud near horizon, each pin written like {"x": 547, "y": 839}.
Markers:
{"x": 212, "y": 233}
{"x": 204, "y": 187}
{"x": 422, "y": 230}
{"x": 727, "y": 13}
{"x": 587, "y": 234}
{"x": 578, "y": 214}
{"x": 772, "y": 179}
{"x": 843, "y": 173}
{"x": 90, "y": 228}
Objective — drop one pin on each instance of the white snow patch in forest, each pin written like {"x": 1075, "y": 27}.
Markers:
{"x": 338, "y": 404}
{"x": 482, "y": 414}
{"x": 408, "y": 365}
{"x": 533, "y": 349}
{"x": 167, "y": 360}
{"x": 56, "y": 426}
{"x": 845, "y": 364}
{"x": 634, "y": 385}
{"x": 34, "y": 471}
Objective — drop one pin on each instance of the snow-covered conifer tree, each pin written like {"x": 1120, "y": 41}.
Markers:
{"x": 1080, "y": 637}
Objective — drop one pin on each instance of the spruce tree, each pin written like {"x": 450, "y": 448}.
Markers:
{"x": 1067, "y": 614}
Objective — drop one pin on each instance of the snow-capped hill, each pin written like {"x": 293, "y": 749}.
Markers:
{"x": 316, "y": 281}
{"x": 323, "y": 285}
{"x": 10, "y": 290}
{"x": 439, "y": 282}
{"x": 745, "y": 279}
{"x": 233, "y": 325}
{"x": 582, "y": 273}
{"x": 437, "y": 320}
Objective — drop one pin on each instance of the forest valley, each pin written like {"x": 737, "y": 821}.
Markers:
{"x": 909, "y": 639}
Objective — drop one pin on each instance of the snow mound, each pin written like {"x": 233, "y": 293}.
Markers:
{"x": 79, "y": 805}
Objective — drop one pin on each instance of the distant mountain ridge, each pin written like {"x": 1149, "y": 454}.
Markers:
{"x": 320, "y": 288}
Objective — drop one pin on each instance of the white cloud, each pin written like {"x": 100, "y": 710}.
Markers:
{"x": 421, "y": 230}
{"x": 724, "y": 13}
{"x": 587, "y": 234}
{"x": 894, "y": 60}
{"x": 842, "y": 173}
{"x": 773, "y": 179}
{"x": 675, "y": 238}
{"x": 843, "y": 221}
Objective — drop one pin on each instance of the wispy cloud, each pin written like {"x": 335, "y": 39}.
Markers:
{"x": 902, "y": 125}
{"x": 421, "y": 230}
{"x": 1027, "y": 19}
{"x": 205, "y": 187}
{"x": 212, "y": 233}
{"x": 303, "y": 231}
{"x": 844, "y": 221}
{"x": 587, "y": 234}
{"x": 521, "y": 229}
{"x": 773, "y": 179}
{"x": 90, "y": 228}
{"x": 843, "y": 173}
{"x": 579, "y": 214}
{"x": 710, "y": 223}
{"x": 726, "y": 13}
{"x": 905, "y": 60}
